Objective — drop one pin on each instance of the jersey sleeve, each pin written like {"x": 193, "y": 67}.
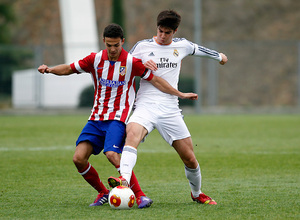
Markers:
{"x": 205, "y": 52}
{"x": 139, "y": 69}
{"x": 84, "y": 65}
{"x": 135, "y": 50}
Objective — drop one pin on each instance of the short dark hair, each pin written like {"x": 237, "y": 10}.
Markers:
{"x": 169, "y": 18}
{"x": 113, "y": 31}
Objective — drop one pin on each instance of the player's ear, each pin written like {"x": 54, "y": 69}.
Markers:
{"x": 175, "y": 30}
{"x": 103, "y": 40}
{"x": 123, "y": 41}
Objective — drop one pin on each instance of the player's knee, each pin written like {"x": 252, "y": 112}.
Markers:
{"x": 130, "y": 135}
{"x": 113, "y": 157}
{"x": 191, "y": 162}
{"x": 135, "y": 134}
{"x": 78, "y": 160}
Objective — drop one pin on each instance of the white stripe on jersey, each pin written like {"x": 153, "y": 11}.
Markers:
{"x": 114, "y": 90}
{"x": 147, "y": 74}
{"x": 96, "y": 83}
{"x": 131, "y": 92}
{"x": 78, "y": 68}
{"x": 102, "y": 95}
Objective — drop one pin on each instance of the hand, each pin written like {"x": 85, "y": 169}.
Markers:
{"x": 151, "y": 65}
{"x": 224, "y": 59}
{"x": 189, "y": 95}
{"x": 43, "y": 69}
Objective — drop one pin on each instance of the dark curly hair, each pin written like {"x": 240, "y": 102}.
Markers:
{"x": 113, "y": 31}
{"x": 168, "y": 18}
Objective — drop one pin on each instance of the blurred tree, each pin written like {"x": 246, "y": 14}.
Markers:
{"x": 118, "y": 13}
{"x": 11, "y": 57}
{"x": 86, "y": 98}
{"x": 6, "y": 18}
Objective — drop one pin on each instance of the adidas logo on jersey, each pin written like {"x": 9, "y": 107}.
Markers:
{"x": 151, "y": 54}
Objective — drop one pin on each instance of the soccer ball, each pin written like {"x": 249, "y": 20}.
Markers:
{"x": 121, "y": 197}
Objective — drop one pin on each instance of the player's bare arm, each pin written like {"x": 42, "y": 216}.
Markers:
{"x": 165, "y": 87}
{"x": 61, "y": 70}
{"x": 224, "y": 59}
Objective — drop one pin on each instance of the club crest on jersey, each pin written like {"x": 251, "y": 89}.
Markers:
{"x": 176, "y": 53}
{"x": 122, "y": 70}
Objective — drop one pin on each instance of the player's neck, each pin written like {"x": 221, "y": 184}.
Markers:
{"x": 164, "y": 44}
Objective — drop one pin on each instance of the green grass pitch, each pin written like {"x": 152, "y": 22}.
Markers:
{"x": 250, "y": 165}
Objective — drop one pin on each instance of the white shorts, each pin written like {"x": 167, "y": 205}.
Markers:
{"x": 168, "y": 121}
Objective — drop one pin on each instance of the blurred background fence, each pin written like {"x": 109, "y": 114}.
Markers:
{"x": 260, "y": 38}
{"x": 257, "y": 74}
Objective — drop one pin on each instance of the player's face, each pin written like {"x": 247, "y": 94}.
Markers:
{"x": 164, "y": 35}
{"x": 114, "y": 47}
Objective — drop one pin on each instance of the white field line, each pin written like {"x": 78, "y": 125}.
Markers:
{"x": 55, "y": 148}
{"x": 141, "y": 150}
{"x": 37, "y": 148}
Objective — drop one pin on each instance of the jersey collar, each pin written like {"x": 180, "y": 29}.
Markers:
{"x": 121, "y": 57}
{"x": 155, "y": 37}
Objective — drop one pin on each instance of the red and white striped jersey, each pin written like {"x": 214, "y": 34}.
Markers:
{"x": 113, "y": 82}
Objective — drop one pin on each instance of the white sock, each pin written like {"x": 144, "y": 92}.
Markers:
{"x": 128, "y": 160}
{"x": 194, "y": 177}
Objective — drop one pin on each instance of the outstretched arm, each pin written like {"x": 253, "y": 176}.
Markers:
{"x": 60, "y": 70}
{"x": 165, "y": 87}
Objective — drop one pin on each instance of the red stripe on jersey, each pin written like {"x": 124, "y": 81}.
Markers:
{"x": 119, "y": 89}
{"x": 127, "y": 109}
{"x": 97, "y": 74}
{"x": 108, "y": 90}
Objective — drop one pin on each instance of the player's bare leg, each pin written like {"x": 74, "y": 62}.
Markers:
{"x": 141, "y": 199}
{"x": 184, "y": 148}
{"x": 82, "y": 154}
{"x": 134, "y": 134}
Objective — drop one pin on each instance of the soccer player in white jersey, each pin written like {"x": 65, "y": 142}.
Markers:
{"x": 113, "y": 71}
{"x": 154, "y": 109}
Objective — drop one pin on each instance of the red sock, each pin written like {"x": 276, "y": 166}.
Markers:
{"x": 92, "y": 177}
{"x": 134, "y": 185}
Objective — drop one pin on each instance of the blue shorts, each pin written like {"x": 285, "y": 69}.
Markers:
{"x": 104, "y": 135}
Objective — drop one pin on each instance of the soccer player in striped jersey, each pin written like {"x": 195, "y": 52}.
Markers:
{"x": 113, "y": 71}
{"x": 154, "y": 109}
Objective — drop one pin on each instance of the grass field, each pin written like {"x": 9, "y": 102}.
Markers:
{"x": 250, "y": 165}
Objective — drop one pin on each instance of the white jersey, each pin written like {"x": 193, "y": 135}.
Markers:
{"x": 168, "y": 59}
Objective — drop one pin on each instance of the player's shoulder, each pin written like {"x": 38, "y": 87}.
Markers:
{"x": 178, "y": 39}
{"x": 182, "y": 41}
{"x": 141, "y": 43}
{"x": 145, "y": 41}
